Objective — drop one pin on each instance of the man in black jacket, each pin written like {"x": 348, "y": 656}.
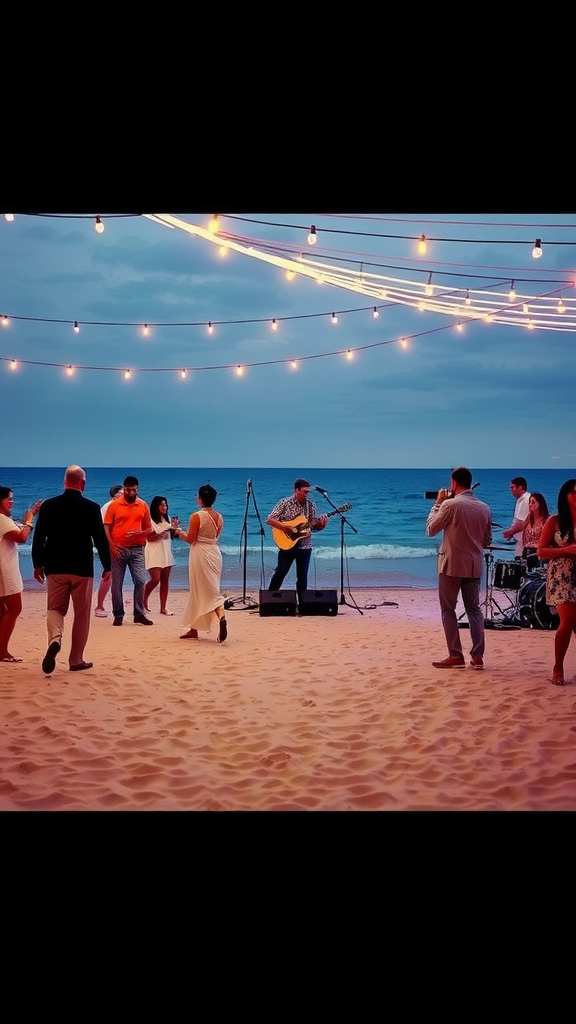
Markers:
{"x": 66, "y": 534}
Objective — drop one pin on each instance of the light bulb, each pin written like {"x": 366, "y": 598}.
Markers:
{"x": 223, "y": 250}
{"x": 530, "y": 325}
{"x": 422, "y": 245}
{"x": 375, "y": 313}
{"x": 239, "y": 371}
{"x": 294, "y": 364}
{"x": 349, "y": 354}
{"x": 76, "y": 328}
{"x": 183, "y": 374}
{"x": 403, "y": 343}
{"x": 467, "y": 300}
{"x": 274, "y": 325}
{"x": 213, "y": 225}
{"x": 459, "y": 328}
{"x": 9, "y": 217}
{"x": 13, "y": 365}
{"x": 210, "y": 328}
{"x": 126, "y": 374}
{"x": 561, "y": 307}
{"x": 5, "y": 321}
{"x": 428, "y": 288}
{"x": 290, "y": 275}
{"x": 98, "y": 226}
{"x": 70, "y": 371}
{"x": 525, "y": 308}
{"x": 334, "y": 318}
{"x": 145, "y": 330}
{"x": 512, "y": 292}
{"x": 312, "y": 239}
{"x": 537, "y": 250}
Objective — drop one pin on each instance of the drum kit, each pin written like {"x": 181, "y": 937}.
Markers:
{"x": 522, "y": 584}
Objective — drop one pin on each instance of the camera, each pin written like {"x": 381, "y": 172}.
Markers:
{"x": 432, "y": 495}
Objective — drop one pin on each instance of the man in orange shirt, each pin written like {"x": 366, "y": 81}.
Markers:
{"x": 128, "y": 525}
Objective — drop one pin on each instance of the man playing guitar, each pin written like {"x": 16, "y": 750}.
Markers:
{"x": 282, "y": 518}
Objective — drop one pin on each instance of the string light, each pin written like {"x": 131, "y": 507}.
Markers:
{"x": 512, "y": 292}
{"x": 213, "y": 225}
{"x": 561, "y": 307}
{"x": 274, "y": 325}
{"x": 530, "y": 325}
{"x": 9, "y": 217}
{"x": 375, "y": 313}
{"x": 290, "y": 275}
{"x": 294, "y": 364}
{"x": 459, "y": 327}
{"x": 467, "y": 300}
{"x": 183, "y": 374}
{"x": 223, "y": 250}
{"x": 70, "y": 371}
{"x": 76, "y": 328}
{"x": 422, "y": 245}
{"x": 349, "y": 354}
{"x": 127, "y": 374}
{"x": 98, "y": 226}
{"x": 525, "y": 308}
{"x": 210, "y": 328}
{"x": 312, "y": 238}
{"x": 537, "y": 250}
{"x": 428, "y": 288}
{"x": 334, "y": 318}
{"x": 403, "y": 343}
{"x": 239, "y": 371}
{"x": 13, "y": 365}
{"x": 145, "y": 330}
{"x": 5, "y": 321}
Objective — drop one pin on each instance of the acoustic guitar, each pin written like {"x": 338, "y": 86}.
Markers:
{"x": 298, "y": 528}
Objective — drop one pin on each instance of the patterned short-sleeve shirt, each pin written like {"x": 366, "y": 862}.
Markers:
{"x": 290, "y": 508}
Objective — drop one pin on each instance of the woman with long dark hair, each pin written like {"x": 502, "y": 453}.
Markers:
{"x": 11, "y": 585}
{"x": 558, "y": 547}
{"x": 537, "y": 516}
{"x": 158, "y": 556}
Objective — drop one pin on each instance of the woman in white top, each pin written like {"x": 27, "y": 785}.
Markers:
{"x": 11, "y": 585}
{"x": 204, "y": 568}
{"x": 158, "y": 555}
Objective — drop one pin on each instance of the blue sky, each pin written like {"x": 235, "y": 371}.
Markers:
{"x": 493, "y": 396}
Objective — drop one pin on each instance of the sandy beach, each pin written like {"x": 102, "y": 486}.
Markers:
{"x": 312, "y": 713}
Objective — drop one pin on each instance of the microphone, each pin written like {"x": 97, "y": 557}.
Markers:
{"x": 321, "y": 489}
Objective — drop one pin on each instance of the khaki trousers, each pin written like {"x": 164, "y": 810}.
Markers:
{"x": 62, "y": 587}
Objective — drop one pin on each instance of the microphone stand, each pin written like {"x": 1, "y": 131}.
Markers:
{"x": 342, "y": 521}
{"x": 245, "y": 602}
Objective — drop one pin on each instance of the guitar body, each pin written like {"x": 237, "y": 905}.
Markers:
{"x": 298, "y": 528}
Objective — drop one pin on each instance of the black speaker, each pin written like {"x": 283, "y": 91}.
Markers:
{"x": 319, "y": 602}
{"x": 277, "y": 602}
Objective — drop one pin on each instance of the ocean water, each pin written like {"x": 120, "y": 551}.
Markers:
{"x": 381, "y": 543}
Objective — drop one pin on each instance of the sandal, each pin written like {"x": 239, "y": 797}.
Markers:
{"x": 223, "y": 631}
{"x": 192, "y": 634}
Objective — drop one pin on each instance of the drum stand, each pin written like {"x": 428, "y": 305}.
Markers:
{"x": 490, "y": 602}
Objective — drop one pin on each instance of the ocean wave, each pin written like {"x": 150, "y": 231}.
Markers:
{"x": 363, "y": 552}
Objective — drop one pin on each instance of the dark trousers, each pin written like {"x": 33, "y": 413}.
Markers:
{"x": 285, "y": 560}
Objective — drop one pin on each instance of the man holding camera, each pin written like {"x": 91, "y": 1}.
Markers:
{"x": 467, "y": 525}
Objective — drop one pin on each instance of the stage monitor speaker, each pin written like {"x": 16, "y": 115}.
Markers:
{"x": 319, "y": 602}
{"x": 277, "y": 602}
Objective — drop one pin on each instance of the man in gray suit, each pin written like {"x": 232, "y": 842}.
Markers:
{"x": 467, "y": 525}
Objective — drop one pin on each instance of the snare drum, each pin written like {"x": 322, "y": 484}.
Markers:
{"x": 532, "y": 562}
{"x": 508, "y": 575}
{"x": 532, "y": 608}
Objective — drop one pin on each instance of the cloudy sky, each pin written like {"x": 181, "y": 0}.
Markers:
{"x": 491, "y": 395}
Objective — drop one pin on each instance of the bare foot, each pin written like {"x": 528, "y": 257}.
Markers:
{"x": 192, "y": 634}
{"x": 557, "y": 678}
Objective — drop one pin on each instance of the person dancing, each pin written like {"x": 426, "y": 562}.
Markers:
{"x": 204, "y": 568}
{"x": 558, "y": 547}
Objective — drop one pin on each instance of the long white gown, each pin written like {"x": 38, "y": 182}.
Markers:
{"x": 204, "y": 574}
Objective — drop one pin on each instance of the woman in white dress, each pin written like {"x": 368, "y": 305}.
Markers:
{"x": 158, "y": 555}
{"x": 11, "y": 585}
{"x": 204, "y": 568}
